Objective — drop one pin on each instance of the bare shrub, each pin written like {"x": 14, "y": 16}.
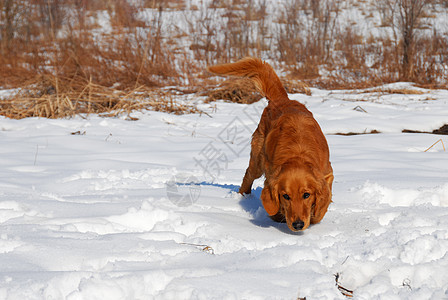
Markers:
{"x": 203, "y": 30}
{"x": 289, "y": 29}
{"x": 240, "y": 30}
{"x": 431, "y": 65}
{"x": 306, "y": 35}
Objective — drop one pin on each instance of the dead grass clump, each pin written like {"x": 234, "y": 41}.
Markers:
{"x": 441, "y": 130}
{"x": 234, "y": 90}
{"x": 243, "y": 91}
{"x": 163, "y": 100}
{"x": 296, "y": 87}
{"x": 374, "y": 131}
{"x": 402, "y": 91}
{"x": 344, "y": 80}
{"x": 52, "y": 97}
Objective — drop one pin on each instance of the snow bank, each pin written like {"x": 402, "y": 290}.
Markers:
{"x": 96, "y": 216}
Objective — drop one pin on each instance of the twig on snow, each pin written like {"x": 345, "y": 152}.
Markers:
{"x": 440, "y": 140}
{"x": 360, "y": 109}
{"x": 343, "y": 290}
{"x": 204, "y": 248}
{"x": 407, "y": 283}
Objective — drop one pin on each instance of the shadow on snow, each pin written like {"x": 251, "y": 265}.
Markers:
{"x": 252, "y": 204}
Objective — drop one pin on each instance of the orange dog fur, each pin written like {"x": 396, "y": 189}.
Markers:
{"x": 289, "y": 148}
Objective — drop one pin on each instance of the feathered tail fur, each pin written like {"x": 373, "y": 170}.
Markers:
{"x": 260, "y": 72}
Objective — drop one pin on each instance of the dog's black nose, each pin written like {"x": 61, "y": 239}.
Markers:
{"x": 298, "y": 225}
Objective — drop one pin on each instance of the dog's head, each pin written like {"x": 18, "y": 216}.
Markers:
{"x": 301, "y": 194}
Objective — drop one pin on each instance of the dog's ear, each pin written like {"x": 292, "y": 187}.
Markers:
{"x": 329, "y": 179}
{"x": 269, "y": 198}
{"x": 323, "y": 198}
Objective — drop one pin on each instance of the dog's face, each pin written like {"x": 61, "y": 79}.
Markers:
{"x": 300, "y": 195}
{"x": 297, "y": 193}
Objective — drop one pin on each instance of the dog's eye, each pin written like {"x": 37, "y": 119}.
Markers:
{"x": 286, "y": 196}
{"x": 306, "y": 195}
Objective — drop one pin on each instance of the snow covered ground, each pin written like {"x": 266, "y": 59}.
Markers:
{"x": 101, "y": 208}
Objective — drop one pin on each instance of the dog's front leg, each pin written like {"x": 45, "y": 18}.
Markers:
{"x": 255, "y": 169}
{"x": 246, "y": 185}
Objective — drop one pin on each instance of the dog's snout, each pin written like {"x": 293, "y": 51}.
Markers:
{"x": 298, "y": 225}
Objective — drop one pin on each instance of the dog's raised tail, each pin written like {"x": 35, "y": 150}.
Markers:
{"x": 260, "y": 72}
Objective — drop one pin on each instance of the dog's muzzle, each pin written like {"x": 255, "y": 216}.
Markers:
{"x": 298, "y": 225}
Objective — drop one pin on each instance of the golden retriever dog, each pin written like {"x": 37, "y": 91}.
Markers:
{"x": 289, "y": 148}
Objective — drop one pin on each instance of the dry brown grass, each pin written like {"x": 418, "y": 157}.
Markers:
{"x": 239, "y": 90}
{"x": 374, "y": 131}
{"x": 42, "y": 40}
{"x": 233, "y": 90}
{"x": 296, "y": 87}
{"x": 401, "y": 91}
{"x": 51, "y": 97}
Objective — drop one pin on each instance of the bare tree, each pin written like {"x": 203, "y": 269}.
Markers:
{"x": 406, "y": 18}
{"x": 411, "y": 12}
{"x": 14, "y": 23}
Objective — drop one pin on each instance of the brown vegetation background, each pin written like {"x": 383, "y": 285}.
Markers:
{"x": 69, "y": 52}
